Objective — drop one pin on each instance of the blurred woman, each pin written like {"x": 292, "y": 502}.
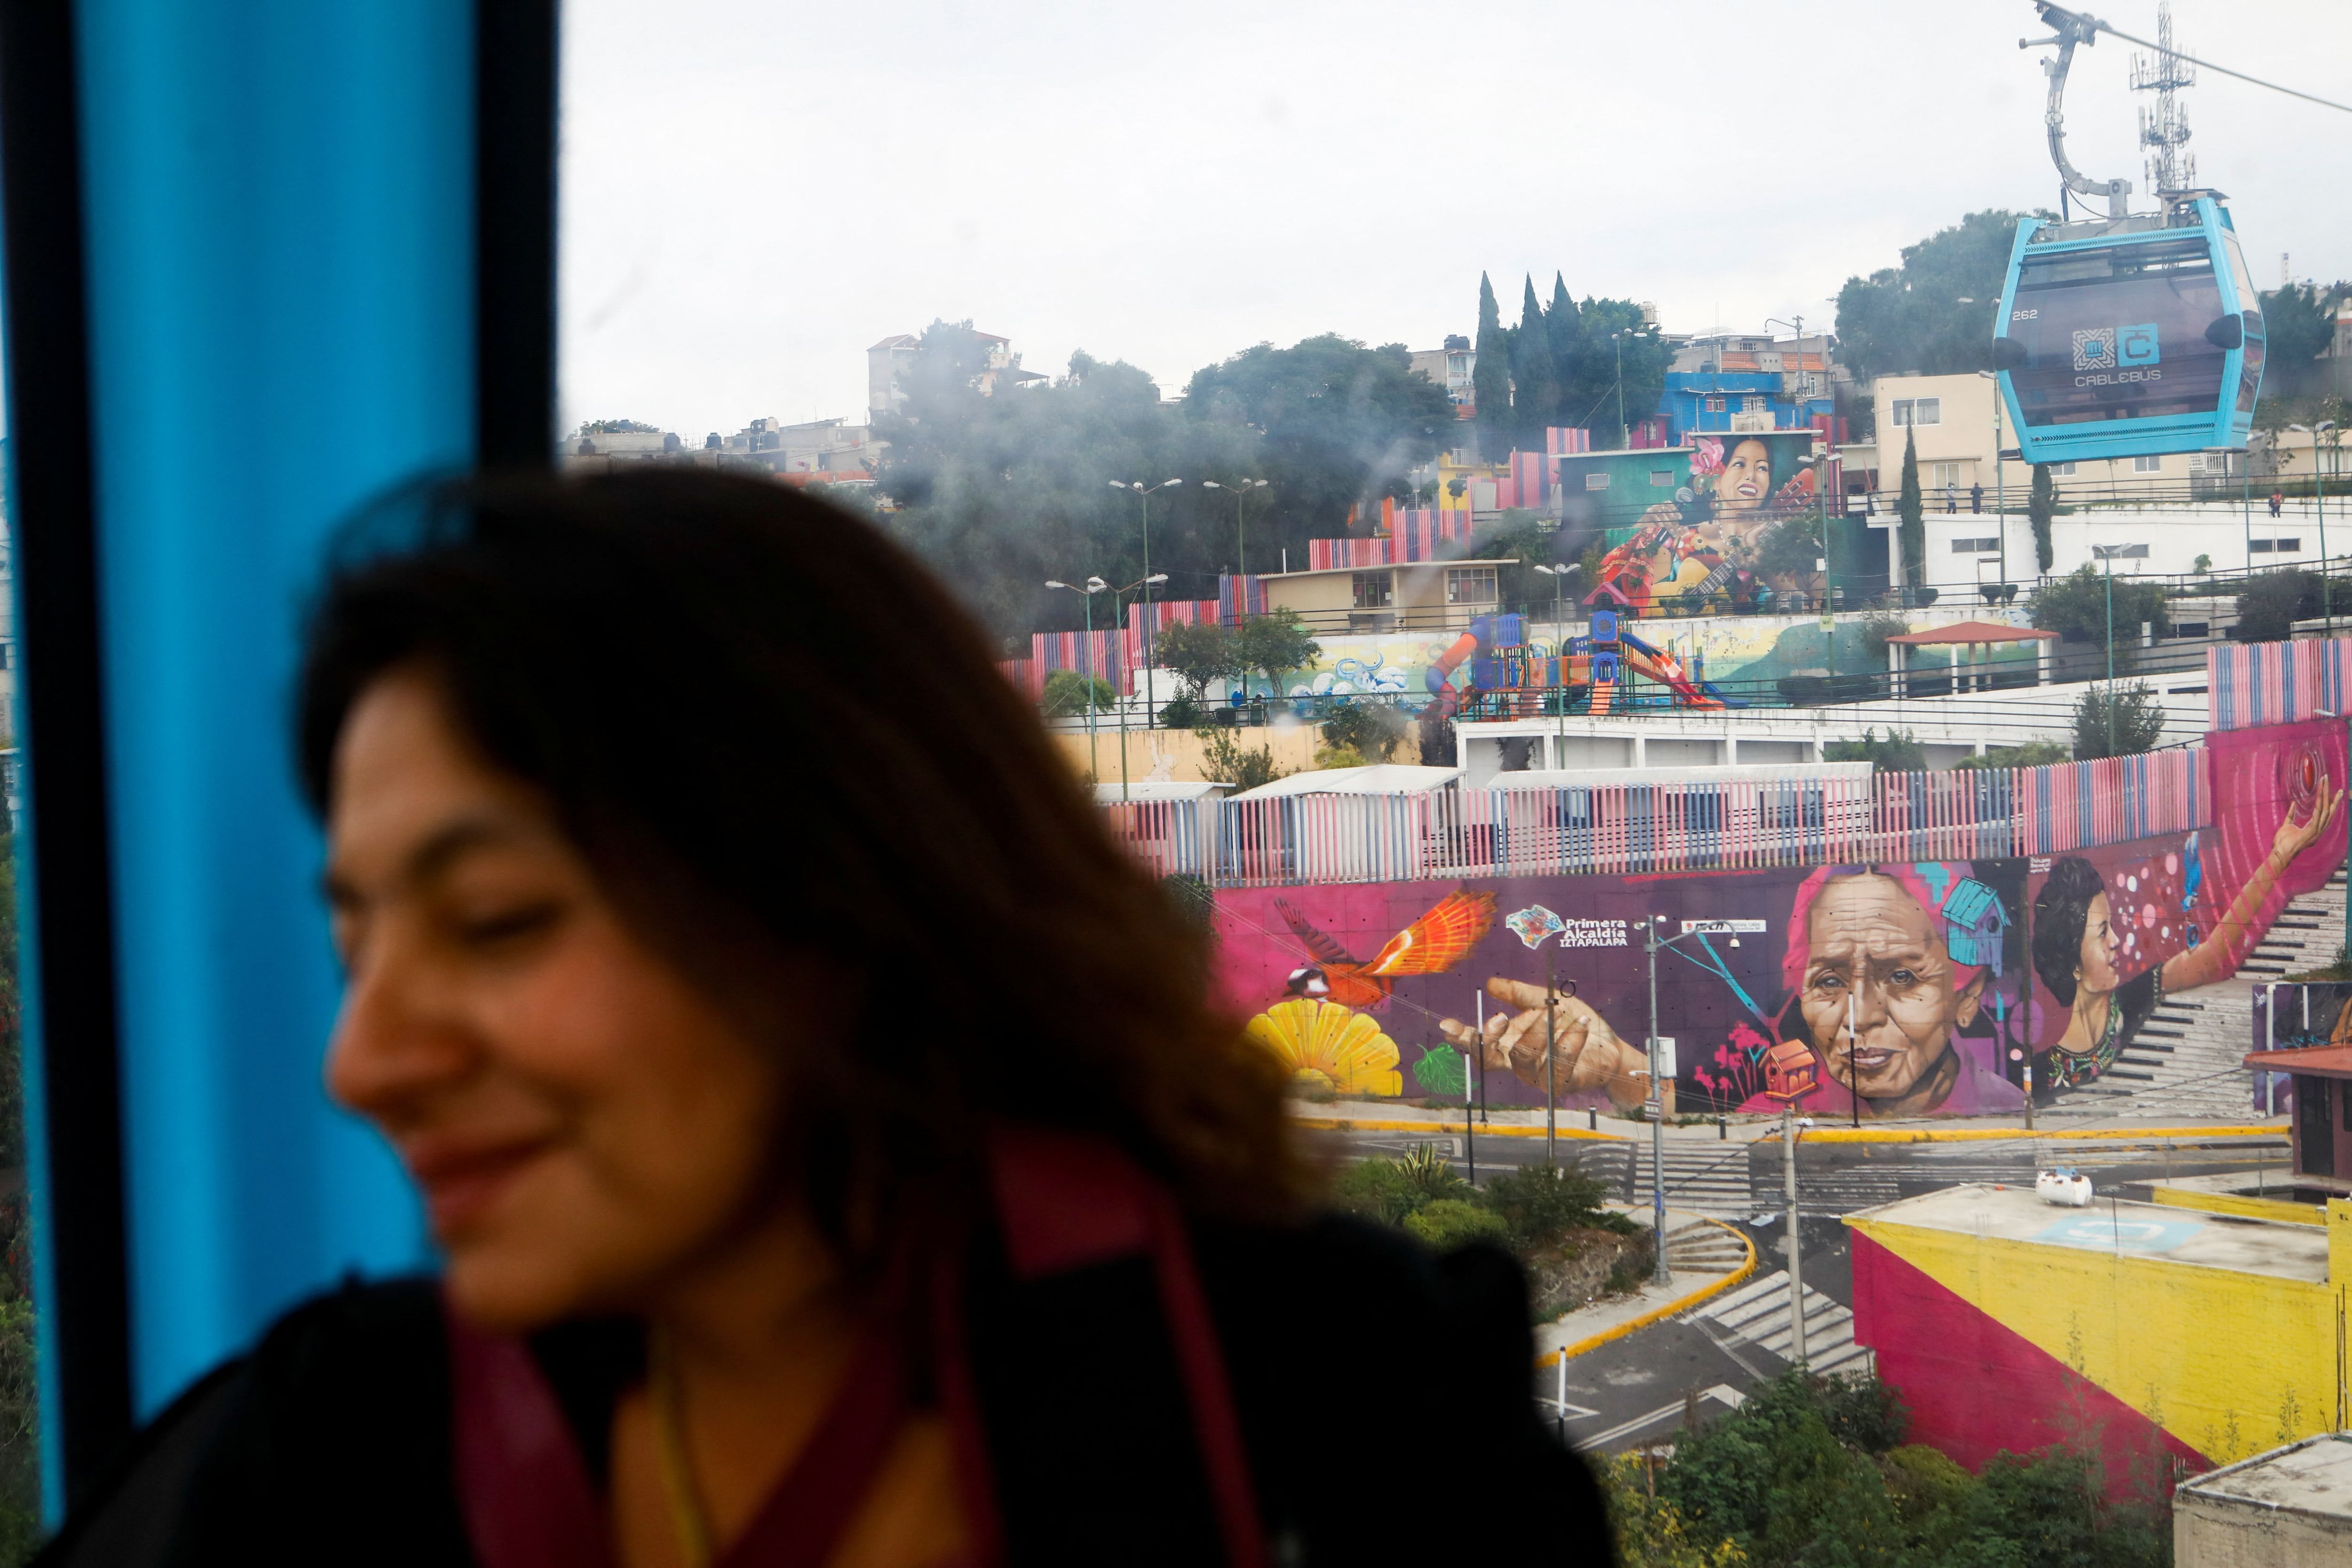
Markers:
{"x": 832, "y": 1156}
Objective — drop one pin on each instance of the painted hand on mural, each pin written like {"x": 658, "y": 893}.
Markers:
{"x": 1585, "y": 1052}
{"x": 2295, "y": 837}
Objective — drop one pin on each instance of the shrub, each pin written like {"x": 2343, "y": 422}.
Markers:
{"x": 1372, "y": 730}
{"x": 1394, "y": 1190}
{"x": 1539, "y": 1204}
{"x": 1446, "y": 1223}
{"x": 1898, "y": 753}
{"x": 2033, "y": 754}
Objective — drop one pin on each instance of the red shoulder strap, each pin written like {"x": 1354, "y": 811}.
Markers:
{"x": 520, "y": 1481}
{"x": 1064, "y": 1202}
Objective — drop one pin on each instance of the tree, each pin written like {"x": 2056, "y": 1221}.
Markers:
{"x": 2119, "y": 721}
{"x": 1069, "y": 693}
{"x": 1332, "y": 423}
{"x": 2274, "y": 603}
{"x": 2298, "y": 323}
{"x": 1490, "y": 377}
{"x": 2040, "y": 506}
{"x": 1933, "y": 314}
{"x": 1910, "y": 508}
{"x": 1197, "y": 653}
{"x": 1564, "y": 333}
{"x": 1537, "y": 387}
{"x": 2076, "y": 606}
{"x": 1273, "y": 645}
{"x": 1790, "y": 546}
{"x": 1614, "y": 334}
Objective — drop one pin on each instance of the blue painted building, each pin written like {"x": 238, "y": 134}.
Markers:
{"x": 1735, "y": 381}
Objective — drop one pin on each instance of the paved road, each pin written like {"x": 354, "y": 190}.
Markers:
{"x": 1731, "y": 1179}
{"x": 1638, "y": 1390}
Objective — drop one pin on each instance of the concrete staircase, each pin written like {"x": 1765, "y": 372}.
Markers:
{"x": 1698, "y": 1250}
{"x": 1706, "y": 1174}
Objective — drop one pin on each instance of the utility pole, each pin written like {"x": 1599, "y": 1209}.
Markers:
{"x": 1796, "y": 1263}
{"x": 1656, "y": 1108}
{"x": 1143, "y": 501}
{"x": 1551, "y": 1076}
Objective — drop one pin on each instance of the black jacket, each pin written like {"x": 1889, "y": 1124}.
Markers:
{"x": 1384, "y": 1397}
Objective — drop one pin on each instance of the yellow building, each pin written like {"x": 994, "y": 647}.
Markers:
{"x": 2149, "y": 1331}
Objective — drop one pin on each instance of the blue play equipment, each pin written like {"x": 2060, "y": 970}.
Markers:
{"x": 2131, "y": 335}
{"x": 263, "y": 262}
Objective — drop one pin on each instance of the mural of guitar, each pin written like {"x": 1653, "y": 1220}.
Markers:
{"x": 1430, "y": 945}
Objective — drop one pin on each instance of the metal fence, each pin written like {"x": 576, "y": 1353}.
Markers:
{"x": 1615, "y": 828}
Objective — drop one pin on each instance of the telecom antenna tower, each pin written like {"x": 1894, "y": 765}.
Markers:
{"x": 2164, "y": 129}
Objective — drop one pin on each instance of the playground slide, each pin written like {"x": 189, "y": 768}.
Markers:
{"x": 1667, "y": 671}
{"x": 1601, "y": 693}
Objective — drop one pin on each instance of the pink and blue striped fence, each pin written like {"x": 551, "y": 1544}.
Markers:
{"x": 2255, "y": 683}
{"x": 1636, "y": 828}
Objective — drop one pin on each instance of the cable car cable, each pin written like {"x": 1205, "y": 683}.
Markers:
{"x": 2092, "y": 24}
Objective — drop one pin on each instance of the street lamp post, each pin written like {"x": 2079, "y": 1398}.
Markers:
{"x": 1656, "y": 1106}
{"x": 1143, "y": 583}
{"x": 1240, "y": 490}
{"x": 1560, "y": 576}
{"x": 2319, "y": 500}
{"x": 1094, "y": 585}
{"x": 1143, "y": 500}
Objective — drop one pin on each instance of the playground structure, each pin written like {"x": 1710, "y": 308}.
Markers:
{"x": 1599, "y": 672}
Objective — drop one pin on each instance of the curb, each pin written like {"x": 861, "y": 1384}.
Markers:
{"x": 1666, "y": 1309}
{"x": 1987, "y": 1135}
{"x": 1499, "y": 1130}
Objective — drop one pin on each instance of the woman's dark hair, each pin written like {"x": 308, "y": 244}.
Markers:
{"x": 2061, "y": 914}
{"x": 768, "y": 728}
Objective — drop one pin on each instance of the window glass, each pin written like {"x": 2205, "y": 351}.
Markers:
{"x": 2118, "y": 332}
{"x": 1930, "y": 411}
{"x": 1902, "y": 411}
{"x": 1470, "y": 585}
{"x": 1374, "y": 590}
{"x": 2148, "y": 465}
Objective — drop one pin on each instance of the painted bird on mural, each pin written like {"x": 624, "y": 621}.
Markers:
{"x": 1430, "y": 945}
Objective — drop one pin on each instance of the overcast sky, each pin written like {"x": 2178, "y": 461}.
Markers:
{"x": 753, "y": 193}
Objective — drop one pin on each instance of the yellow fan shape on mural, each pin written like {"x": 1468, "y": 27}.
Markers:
{"x": 1325, "y": 1043}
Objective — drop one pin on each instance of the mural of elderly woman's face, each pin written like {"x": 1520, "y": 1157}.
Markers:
{"x": 1747, "y": 478}
{"x": 2096, "y": 971}
{"x": 1872, "y": 948}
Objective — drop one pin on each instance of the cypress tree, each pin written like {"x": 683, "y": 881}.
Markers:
{"x": 1909, "y": 508}
{"x": 1490, "y": 378}
{"x": 1537, "y": 394}
{"x": 2040, "y": 506}
{"x": 1564, "y": 334}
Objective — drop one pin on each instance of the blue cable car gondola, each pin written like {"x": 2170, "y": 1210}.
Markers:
{"x": 2131, "y": 335}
